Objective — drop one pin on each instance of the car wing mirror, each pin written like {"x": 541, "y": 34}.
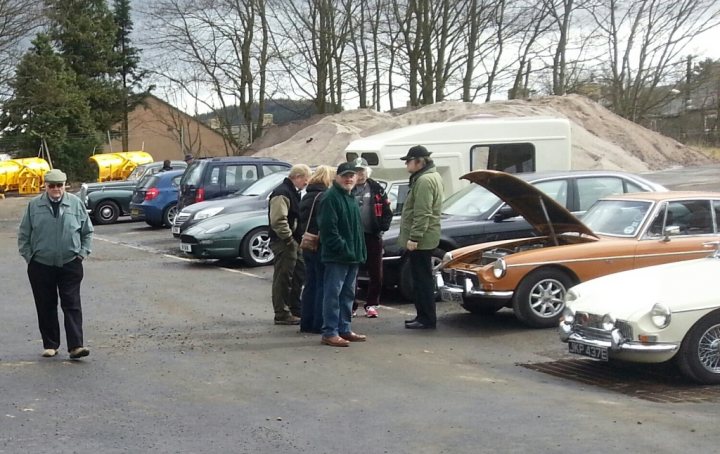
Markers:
{"x": 671, "y": 230}
{"x": 505, "y": 212}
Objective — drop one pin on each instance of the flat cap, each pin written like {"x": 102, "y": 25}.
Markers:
{"x": 55, "y": 176}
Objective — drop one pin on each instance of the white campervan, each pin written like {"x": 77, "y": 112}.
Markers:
{"x": 510, "y": 144}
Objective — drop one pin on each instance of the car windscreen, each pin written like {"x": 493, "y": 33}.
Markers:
{"x": 264, "y": 184}
{"x": 193, "y": 174}
{"x": 472, "y": 200}
{"x": 136, "y": 173}
{"x": 617, "y": 217}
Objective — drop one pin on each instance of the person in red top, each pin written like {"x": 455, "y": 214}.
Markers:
{"x": 376, "y": 216}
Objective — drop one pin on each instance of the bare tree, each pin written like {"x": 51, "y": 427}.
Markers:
{"x": 646, "y": 42}
{"x": 18, "y": 20}
{"x": 223, "y": 45}
{"x": 309, "y": 39}
{"x": 528, "y": 45}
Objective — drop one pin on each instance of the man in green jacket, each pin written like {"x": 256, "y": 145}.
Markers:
{"x": 54, "y": 237}
{"x": 342, "y": 250}
{"x": 420, "y": 232}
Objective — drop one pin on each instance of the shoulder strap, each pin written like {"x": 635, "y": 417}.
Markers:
{"x": 311, "y": 212}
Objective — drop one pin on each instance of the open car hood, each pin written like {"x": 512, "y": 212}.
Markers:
{"x": 546, "y": 215}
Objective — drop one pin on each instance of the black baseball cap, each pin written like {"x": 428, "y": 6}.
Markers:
{"x": 418, "y": 151}
{"x": 346, "y": 167}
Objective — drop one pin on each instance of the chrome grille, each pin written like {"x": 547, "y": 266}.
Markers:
{"x": 83, "y": 193}
{"x": 457, "y": 277}
{"x": 181, "y": 218}
{"x": 591, "y": 325}
{"x": 188, "y": 239}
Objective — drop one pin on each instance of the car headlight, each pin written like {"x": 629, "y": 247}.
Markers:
{"x": 660, "y": 315}
{"x": 207, "y": 213}
{"x": 608, "y": 322}
{"x": 218, "y": 228}
{"x": 499, "y": 268}
{"x": 568, "y": 316}
{"x": 571, "y": 295}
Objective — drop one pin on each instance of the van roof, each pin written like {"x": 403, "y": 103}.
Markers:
{"x": 464, "y": 130}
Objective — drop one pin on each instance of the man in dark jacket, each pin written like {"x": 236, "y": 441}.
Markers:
{"x": 342, "y": 252}
{"x": 376, "y": 216}
{"x": 285, "y": 236}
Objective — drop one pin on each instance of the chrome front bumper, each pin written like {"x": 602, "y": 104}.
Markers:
{"x": 616, "y": 342}
{"x": 467, "y": 289}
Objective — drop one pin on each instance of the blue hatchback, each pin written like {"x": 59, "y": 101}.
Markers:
{"x": 155, "y": 198}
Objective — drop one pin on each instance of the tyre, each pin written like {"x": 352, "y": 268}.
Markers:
{"x": 106, "y": 212}
{"x": 168, "y": 217}
{"x": 481, "y": 306}
{"x": 255, "y": 248}
{"x": 699, "y": 355}
{"x": 540, "y": 297}
{"x": 406, "y": 280}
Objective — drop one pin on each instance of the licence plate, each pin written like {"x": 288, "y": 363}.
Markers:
{"x": 450, "y": 296}
{"x": 186, "y": 247}
{"x": 176, "y": 230}
{"x": 591, "y": 351}
{"x": 134, "y": 212}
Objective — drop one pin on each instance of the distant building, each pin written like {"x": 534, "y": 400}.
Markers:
{"x": 691, "y": 113}
{"x": 167, "y": 133}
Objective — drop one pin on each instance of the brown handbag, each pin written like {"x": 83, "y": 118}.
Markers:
{"x": 310, "y": 241}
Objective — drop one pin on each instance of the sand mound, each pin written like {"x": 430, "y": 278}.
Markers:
{"x": 600, "y": 139}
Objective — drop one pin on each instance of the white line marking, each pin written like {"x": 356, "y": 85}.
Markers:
{"x": 164, "y": 254}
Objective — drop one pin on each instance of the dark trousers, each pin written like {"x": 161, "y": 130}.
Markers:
{"x": 373, "y": 265}
{"x": 311, "y": 318}
{"x": 423, "y": 286}
{"x": 288, "y": 279}
{"x": 49, "y": 282}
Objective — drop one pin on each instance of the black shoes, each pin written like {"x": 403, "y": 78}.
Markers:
{"x": 410, "y": 321}
{"x": 417, "y": 325}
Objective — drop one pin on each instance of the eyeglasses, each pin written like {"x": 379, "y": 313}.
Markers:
{"x": 55, "y": 185}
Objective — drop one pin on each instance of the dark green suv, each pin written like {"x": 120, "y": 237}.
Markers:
{"x": 210, "y": 178}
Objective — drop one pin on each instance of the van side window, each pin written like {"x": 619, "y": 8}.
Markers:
{"x": 508, "y": 157}
{"x": 716, "y": 209}
{"x": 512, "y": 157}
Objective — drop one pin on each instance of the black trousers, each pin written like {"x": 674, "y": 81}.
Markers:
{"x": 423, "y": 286}
{"x": 49, "y": 282}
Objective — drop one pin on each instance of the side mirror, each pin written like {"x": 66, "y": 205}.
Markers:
{"x": 505, "y": 212}
{"x": 671, "y": 230}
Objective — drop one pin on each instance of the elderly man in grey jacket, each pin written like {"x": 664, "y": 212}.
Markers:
{"x": 54, "y": 237}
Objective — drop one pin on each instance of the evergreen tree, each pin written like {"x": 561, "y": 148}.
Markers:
{"x": 84, "y": 32}
{"x": 48, "y": 104}
{"x": 127, "y": 65}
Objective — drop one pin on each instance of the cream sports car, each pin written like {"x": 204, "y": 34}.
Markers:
{"x": 650, "y": 315}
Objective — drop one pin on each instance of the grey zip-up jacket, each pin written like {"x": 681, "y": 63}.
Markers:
{"x": 55, "y": 241}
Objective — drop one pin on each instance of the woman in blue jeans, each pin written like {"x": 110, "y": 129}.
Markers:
{"x": 311, "y": 318}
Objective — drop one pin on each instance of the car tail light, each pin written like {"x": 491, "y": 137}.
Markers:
{"x": 200, "y": 195}
{"x": 152, "y": 193}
